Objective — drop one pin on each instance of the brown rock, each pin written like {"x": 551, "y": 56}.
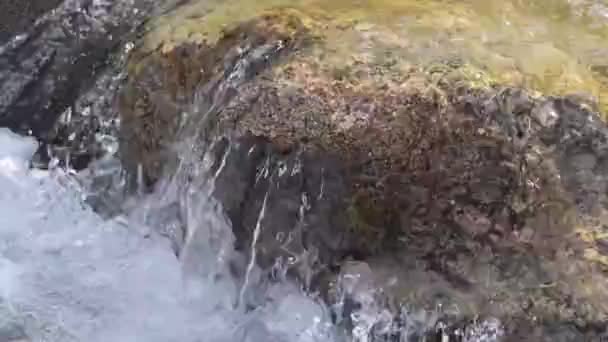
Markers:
{"x": 477, "y": 191}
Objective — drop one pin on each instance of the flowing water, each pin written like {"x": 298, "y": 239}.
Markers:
{"x": 68, "y": 273}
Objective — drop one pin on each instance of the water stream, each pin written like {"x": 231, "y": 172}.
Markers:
{"x": 66, "y": 274}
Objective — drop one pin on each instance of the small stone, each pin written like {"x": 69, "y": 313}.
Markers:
{"x": 545, "y": 114}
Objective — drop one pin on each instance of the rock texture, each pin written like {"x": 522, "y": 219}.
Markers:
{"x": 469, "y": 201}
{"x": 17, "y": 15}
{"x": 45, "y": 69}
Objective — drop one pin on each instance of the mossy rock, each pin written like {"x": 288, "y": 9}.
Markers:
{"x": 496, "y": 193}
{"x": 162, "y": 84}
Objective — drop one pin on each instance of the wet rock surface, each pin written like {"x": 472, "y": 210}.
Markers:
{"x": 45, "y": 69}
{"x": 480, "y": 201}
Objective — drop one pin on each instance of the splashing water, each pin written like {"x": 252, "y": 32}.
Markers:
{"x": 68, "y": 275}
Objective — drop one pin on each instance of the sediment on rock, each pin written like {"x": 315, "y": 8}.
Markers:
{"x": 490, "y": 201}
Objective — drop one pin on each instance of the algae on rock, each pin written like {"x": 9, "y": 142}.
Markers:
{"x": 495, "y": 194}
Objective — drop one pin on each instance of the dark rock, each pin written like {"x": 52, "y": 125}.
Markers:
{"x": 44, "y": 71}
{"x": 16, "y": 16}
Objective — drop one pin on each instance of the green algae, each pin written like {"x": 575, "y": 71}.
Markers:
{"x": 550, "y": 46}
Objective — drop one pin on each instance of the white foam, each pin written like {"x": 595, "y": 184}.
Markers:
{"x": 68, "y": 275}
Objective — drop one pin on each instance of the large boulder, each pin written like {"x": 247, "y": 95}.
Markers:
{"x": 477, "y": 199}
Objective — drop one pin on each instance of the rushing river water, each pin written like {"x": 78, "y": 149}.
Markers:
{"x": 67, "y": 273}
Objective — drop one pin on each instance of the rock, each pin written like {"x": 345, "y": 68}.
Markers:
{"x": 486, "y": 201}
{"x": 45, "y": 70}
{"x": 17, "y": 15}
{"x": 87, "y": 130}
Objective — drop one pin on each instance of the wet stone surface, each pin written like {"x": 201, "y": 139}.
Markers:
{"x": 45, "y": 69}
{"x": 493, "y": 195}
